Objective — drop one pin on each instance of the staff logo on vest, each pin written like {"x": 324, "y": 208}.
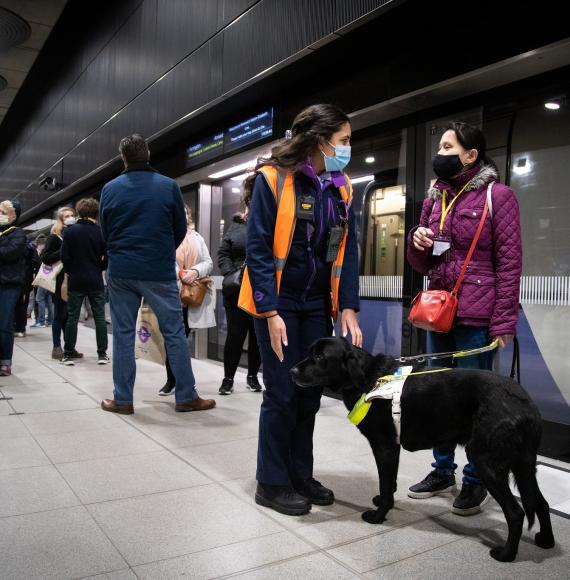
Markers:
{"x": 258, "y": 296}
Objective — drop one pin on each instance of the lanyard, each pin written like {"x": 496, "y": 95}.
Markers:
{"x": 445, "y": 208}
{"x": 8, "y": 230}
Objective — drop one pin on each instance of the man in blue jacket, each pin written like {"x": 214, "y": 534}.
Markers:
{"x": 143, "y": 221}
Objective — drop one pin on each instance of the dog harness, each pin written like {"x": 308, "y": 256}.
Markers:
{"x": 387, "y": 387}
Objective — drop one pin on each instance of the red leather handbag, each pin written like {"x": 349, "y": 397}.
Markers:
{"x": 435, "y": 309}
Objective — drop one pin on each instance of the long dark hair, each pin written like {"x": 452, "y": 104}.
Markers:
{"x": 308, "y": 126}
{"x": 471, "y": 137}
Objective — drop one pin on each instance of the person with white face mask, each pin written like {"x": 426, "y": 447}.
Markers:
{"x": 12, "y": 270}
{"x": 51, "y": 256}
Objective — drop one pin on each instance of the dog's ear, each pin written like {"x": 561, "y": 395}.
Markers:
{"x": 356, "y": 362}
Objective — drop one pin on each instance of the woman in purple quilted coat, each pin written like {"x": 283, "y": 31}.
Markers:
{"x": 489, "y": 294}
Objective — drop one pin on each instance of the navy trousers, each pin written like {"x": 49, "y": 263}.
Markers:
{"x": 287, "y": 417}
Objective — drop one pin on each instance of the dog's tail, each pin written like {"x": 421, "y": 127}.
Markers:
{"x": 525, "y": 478}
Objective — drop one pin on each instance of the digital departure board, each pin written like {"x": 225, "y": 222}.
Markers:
{"x": 239, "y": 135}
{"x": 249, "y": 131}
{"x": 208, "y": 148}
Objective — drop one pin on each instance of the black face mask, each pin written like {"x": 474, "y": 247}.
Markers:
{"x": 446, "y": 166}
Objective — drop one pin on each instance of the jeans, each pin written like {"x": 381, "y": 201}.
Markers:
{"x": 164, "y": 299}
{"x": 459, "y": 338}
{"x": 170, "y": 378}
{"x": 44, "y": 299}
{"x": 9, "y": 294}
{"x": 74, "y": 302}
{"x": 240, "y": 324}
{"x": 287, "y": 418}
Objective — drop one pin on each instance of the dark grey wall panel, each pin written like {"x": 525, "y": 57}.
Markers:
{"x": 348, "y": 12}
{"x": 143, "y": 65}
{"x": 270, "y": 32}
{"x": 230, "y": 9}
{"x": 182, "y": 27}
{"x": 186, "y": 87}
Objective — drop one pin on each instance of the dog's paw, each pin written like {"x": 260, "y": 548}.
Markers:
{"x": 374, "y": 516}
{"x": 376, "y": 500}
{"x": 543, "y": 540}
{"x": 501, "y": 554}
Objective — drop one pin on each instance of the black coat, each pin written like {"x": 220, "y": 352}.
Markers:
{"x": 50, "y": 255}
{"x": 231, "y": 255}
{"x": 84, "y": 256}
{"x": 12, "y": 257}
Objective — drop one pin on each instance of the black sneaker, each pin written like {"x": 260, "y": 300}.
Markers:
{"x": 168, "y": 389}
{"x": 57, "y": 353}
{"x": 434, "y": 484}
{"x": 103, "y": 359}
{"x": 67, "y": 360}
{"x": 74, "y": 354}
{"x": 315, "y": 492}
{"x": 470, "y": 499}
{"x": 227, "y": 387}
{"x": 283, "y": 499}
{"x": 253, "y": 383}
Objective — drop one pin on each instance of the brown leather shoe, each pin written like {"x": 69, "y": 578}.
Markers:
{"x": 112, "y": 406}
{"x": 195, "y": 405}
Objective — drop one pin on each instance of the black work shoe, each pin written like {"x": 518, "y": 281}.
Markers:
{"x": 168, "y": 389}
{"x": 227, "y": 387}
{"x": 434, "y": 484}
{"x": 253, "y": 383}
{"x": 283, "y": 499}
{"x": 57, "y": 353}
{"x": 315, "y": 492}
{"x": 74, "y": 354}
{"x": 470, "y": 499}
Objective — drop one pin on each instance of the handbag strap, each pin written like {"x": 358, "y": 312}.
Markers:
{"x": 471, "y": 250}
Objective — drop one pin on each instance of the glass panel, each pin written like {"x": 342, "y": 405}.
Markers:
{"x": 378, "y": 170}
{"x": 540, "y": 174}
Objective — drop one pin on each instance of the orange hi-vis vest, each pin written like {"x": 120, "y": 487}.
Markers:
{"x": 282, "y": 186}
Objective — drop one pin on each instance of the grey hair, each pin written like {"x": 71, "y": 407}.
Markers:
{"x": 134, "y": 149}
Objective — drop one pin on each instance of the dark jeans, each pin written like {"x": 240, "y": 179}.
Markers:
{"x": 240, "y": 324}
{"x": 59, "y": 318}
{"x": 74, "y": 302}
{"x": 164, "y": 299}
{"x": 170, "y": 378}
{"x": 21, "y": 313}
{"x": 287, "y": 418}
{"x": 459, "y": 338}
{"x": 9, "y": 295}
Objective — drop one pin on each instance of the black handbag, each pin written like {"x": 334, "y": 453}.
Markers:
{"x": 231, "y": 283}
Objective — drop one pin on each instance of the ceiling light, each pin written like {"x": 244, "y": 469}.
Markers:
{"x": 522, "y": 167}
{"x": 233, "y": 169}
{"x": 362, "y": 179}
{"x": 236, "y": 190}
{"x": 239, "y": 177}
{"x": 370, "y": 159}
{"x": 553, "y": 106}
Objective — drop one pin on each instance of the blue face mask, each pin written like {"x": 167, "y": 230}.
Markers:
{"x": 340, "y": 160}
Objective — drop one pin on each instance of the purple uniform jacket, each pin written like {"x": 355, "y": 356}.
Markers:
{"x": 489, "y": 294}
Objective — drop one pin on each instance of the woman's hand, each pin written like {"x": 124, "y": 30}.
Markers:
{"x": 504, "y": 339}
{"x": 422, "y": 238}
{"x": 349, "y": 322}
{"x": 189, "y": 276}
{"x": 277, "y": 334}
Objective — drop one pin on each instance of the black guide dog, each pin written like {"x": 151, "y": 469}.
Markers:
{"x": 489, "y": 413}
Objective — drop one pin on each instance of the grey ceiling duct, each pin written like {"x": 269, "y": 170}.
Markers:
{"x": 14, "y": 30}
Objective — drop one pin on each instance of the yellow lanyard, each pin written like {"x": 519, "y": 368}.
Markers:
{"x": 8, "y": 230}
{"x": 445, "y": 208}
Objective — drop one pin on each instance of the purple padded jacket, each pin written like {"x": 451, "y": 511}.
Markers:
{"x": 489, "y": 294}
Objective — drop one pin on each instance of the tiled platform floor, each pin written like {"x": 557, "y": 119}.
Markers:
{"x": 88, "y": 494}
